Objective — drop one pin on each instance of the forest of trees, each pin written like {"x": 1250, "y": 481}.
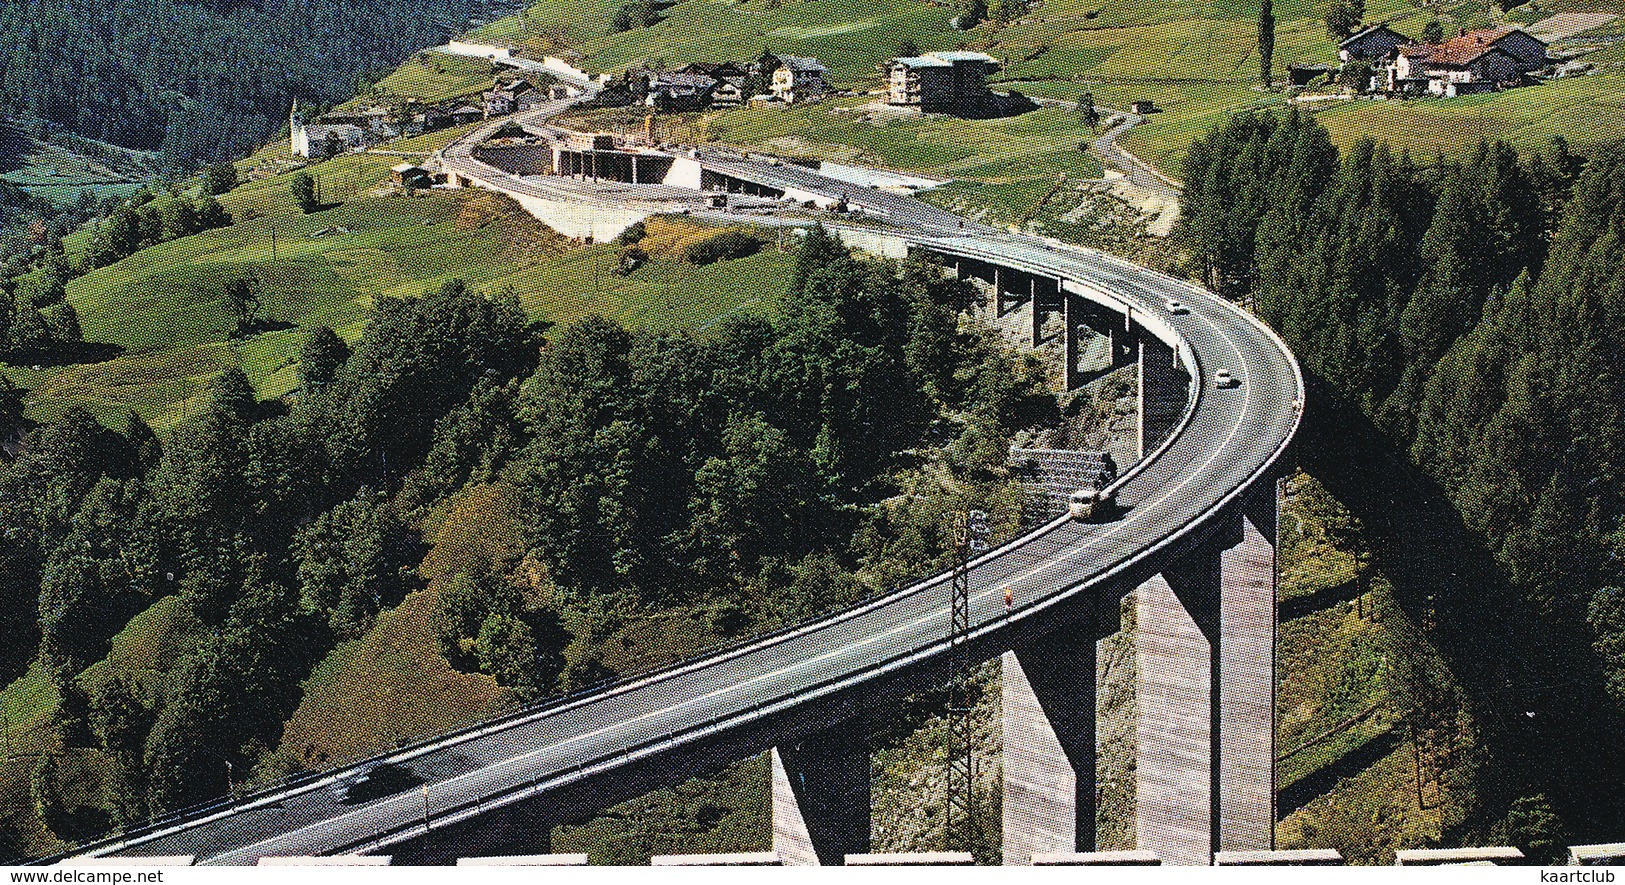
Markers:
{"x": 36, "y": 320}
{"x": 1472, "y": 310}
{"x": 744, "y": 473}
{"x": 196, "y": 81}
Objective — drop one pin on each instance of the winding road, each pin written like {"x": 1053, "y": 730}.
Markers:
{"x": 669, "y": 724}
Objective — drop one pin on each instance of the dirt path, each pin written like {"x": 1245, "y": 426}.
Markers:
{"x": 1140, "y": 184}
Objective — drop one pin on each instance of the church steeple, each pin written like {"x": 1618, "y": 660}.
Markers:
{"x": 296, "y": 129}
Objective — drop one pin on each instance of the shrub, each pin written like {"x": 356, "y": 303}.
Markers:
{"x": 724, "y": 246}
{"x": 304, "y": 192}
{"x": 633, "y": 234}
{"x": 218, "y": 178}
{"x": 631, "y": 259}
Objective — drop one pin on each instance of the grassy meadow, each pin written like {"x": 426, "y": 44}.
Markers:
{"x": 1197, "y": 59}
{"x": 163, "y": 306}
{"x": 430, "y": 77}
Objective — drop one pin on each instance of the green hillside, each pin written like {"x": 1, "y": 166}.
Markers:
{"x": 1356, "y": 677}
{"x": 163, "y": 306}
{"x": 1355, "y": 666}
{"x": 1197, "y": 59}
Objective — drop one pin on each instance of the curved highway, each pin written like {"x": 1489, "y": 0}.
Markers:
{"x": 1228, "y": 442}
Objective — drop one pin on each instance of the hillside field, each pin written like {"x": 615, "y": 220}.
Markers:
{"x": 1196, "y": 59}
{"x": 163, "y": 306}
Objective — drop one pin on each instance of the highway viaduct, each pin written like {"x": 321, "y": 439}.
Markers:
{"x": 1195, "y": 545}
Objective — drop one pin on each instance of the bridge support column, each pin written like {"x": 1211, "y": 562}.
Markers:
{"x": 1162, "y": 386}
{"x": 1037, "y": 314}
{"x": 821, "y": 798}
{"x": 1038, "y": 322}
{"x": 1206, "y": 696}
{"x": 1082, "y": 314}
{"x": 1174, "y": 727}
{"x": 1049, "y": 746}
{"x": 1046, "y": 296}
{"x": 1124, "y": 346}
{"x": 1072, "y": 313}
{"x": 1247, "y": 661}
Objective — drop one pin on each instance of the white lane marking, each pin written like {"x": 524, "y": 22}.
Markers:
{"x": 1144, "y": 511}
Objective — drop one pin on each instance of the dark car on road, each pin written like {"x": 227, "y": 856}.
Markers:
{"x": 377, "y": 781}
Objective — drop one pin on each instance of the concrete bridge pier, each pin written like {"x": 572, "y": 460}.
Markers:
{"x": 1125, "y": 341}
{"x": 1047, "y": 297}
{"x": 821, "y": 798}
{"x": 1163, "y": 386}
{"x": 1084, "y": 316}
{"x": 1049, "y": 743}
{"x": 1012, "y": 289}
{"x": 988, "y": 278}
{"x": 1206, "y": 694}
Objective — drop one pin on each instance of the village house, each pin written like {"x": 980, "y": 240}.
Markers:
{"x": 376, "y": 122}
{"x": 461, "y": 116}
{"x": 504, "y": 99}
{"x": 323, "y": 140}
{"x": 1372, "y": 44}
{"x": 678, "y": 92}
{"x": 411, "y": 175}
{"x": 727, "y": 95}
{"x": 1475, "y": 61}
{"x": 531, "y": 101}
{"x": 941, "y": 82}
{"x": 358, "y": 128}
{"x": 434, "y": 117}
{"x": 497, "y": 104}
{"x": 798, "y": 79}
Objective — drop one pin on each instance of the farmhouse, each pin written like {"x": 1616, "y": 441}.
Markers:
{"x": 1475, "y": 61}
{"x": 727, "y": 95}
{"x": 411, "y": 175}
{"x": 725, "y": 71}
{"x": 465, "y": 114}
{"x": 323, "y": 139}
{"x": 941, "y": 82}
